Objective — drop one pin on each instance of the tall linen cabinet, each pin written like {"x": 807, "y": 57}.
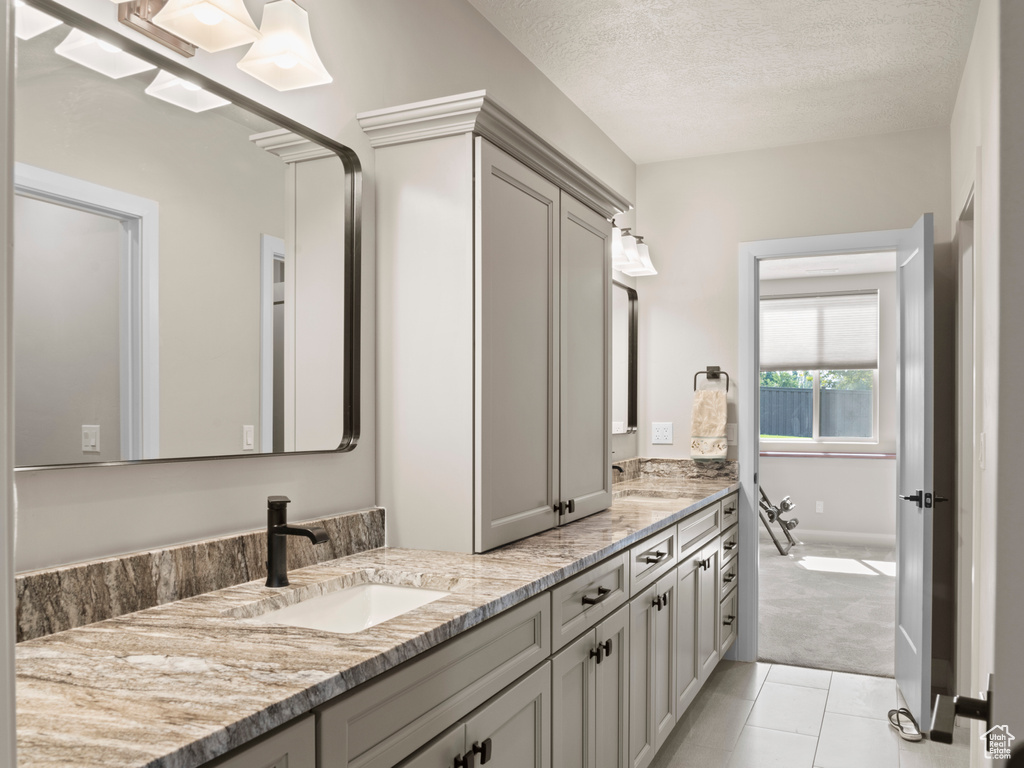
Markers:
{"x": 494, "y": 296}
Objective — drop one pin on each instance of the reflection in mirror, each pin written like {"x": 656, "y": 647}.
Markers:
{"x": 624, "y": 344}
{"x": 184, "y": 267}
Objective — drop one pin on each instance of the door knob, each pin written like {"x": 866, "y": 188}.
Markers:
{"x": 914, "y": 497}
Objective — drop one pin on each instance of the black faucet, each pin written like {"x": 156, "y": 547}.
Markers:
{"x": 277, "y": 545}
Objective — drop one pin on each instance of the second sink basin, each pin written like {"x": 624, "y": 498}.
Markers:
{"x": 352, "y": 609}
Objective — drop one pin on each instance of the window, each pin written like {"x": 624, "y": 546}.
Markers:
{"x": 819, "y": 367}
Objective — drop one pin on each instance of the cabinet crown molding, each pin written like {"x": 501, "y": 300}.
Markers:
{"x": 476, "y": 112}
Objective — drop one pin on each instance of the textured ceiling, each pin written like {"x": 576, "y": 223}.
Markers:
{"x": 668, "y": 79}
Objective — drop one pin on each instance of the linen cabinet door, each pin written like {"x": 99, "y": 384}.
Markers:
{"x": 515, "y": 350}
{"x": 612, "y": 700}
{"x": 585, "y": 285}
{"x": 573, "y": 695}
{"x": 641, "y": 672}
{"x": 708, "y": 610}
{"x": 688, "y": 668}
{"x": 513, "y": 730}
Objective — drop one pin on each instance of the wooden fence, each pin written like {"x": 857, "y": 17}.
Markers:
{"x": 789, "y": 412}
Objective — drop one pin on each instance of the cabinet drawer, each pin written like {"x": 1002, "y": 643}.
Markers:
{"x": 697, "y": 529}
{"x": 730, "y": 510}
{"x": 651, "y": 558}
{"x": 728, "y": 629}
{"x": 380, "y": 723}
{"x": 730, "y": 544}
{"x": 580, "y": 602}
{"x": 730, "y": 576}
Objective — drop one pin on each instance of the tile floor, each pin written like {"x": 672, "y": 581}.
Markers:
{"x": 774, "y": 716}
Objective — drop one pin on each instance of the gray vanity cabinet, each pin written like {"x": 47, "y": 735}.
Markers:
{"x": 512, "y": 730}
{"x": 589, "y": 697}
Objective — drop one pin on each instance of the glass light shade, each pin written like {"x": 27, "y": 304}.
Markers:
{"x": 629, "y": 250}
{"x": 619, "y": 259}
{"x": 213, "y": 25}
{"x": 645, "y": 268}
{"x": 29, "y": 22}
{"x": 284, "y": 57}
{"x": 182, "y": 93}
{"x": 100, "y": 56}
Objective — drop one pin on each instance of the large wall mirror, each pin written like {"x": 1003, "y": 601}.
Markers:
{"x": 624, "y": 364}
{"x": 186, "y": 262}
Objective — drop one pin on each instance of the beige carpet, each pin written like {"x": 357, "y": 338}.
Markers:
{"x": 828, "y": 606}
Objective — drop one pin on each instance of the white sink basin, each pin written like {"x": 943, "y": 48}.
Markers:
{"x": 352, "y": 609}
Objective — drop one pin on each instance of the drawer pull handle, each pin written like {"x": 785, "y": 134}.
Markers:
{"x": 657, "y": 557}
{"x": 729, "y": 510}
{"x": 704, "y": 564}
{"x": 484, "y": 750}
{"x": 602, "y": 594}
{"x": 729, "y": 620}
{"x": 660, "y": 601}
{"x": 730, "y": 545}
{"x": 730, "y": 578}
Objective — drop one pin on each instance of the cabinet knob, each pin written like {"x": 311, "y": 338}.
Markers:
{"x": 464, "y": 761}
{"x": 607, "y": 647}
{"x": 597, "y": 653}
{"x": 484, "y": 750}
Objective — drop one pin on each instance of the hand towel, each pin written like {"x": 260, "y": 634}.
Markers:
{"x": 707, "y": 426}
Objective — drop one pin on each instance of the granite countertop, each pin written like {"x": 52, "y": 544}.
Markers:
{"x": 180, "y": 684}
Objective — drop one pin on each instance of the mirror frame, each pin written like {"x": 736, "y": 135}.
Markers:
{"x": 631, "y": 387}
{"x": 351, "y": 247}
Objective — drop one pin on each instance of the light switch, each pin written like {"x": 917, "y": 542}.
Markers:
{"x": 90, "y": 438}
{"x": 248, "y": 437}
{"x": 730, "y": 433}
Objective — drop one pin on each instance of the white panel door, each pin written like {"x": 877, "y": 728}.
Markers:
{"x": 914, "y": 451}
{"x": 515, "y": 350}
{"x": 585, "y": 284}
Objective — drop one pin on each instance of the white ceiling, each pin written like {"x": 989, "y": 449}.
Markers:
{"x": 828, "y": 266}
{"x": 668, "y": 79}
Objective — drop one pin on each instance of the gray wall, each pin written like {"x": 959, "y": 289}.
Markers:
{"x": 67, "y": 347}
{"x": 384, "y": 53}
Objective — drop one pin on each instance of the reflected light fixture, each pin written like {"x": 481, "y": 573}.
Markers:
{"x": 284, "y": 57}
{"x": 100, "y": 56}
{"x": 644, "y": 267}
{"x": 29, "y": 22}
{"x": 213, "y": 25}
{"x": 181, "y": 93}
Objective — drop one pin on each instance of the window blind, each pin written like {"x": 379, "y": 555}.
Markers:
{"x": 836, "y": 331}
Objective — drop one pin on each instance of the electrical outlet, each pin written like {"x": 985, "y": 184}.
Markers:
{"x": 248, "y": 437}
{"x": 819, "y": 507}
{"x": 90, "y": 438}
{"x": 661, "y": 433}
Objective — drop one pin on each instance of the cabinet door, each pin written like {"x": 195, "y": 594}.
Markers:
{"x": 293, "y": 746}
{"x": 641, "y": 666}
{"x": 688, "y": 668}
{"x": 612, "y": 701}
{"x": 515, "y": 350}
{"x": 573, "y": 694}
{"x": 514, "y": 728}
{"x": 664, "y": 668}
{"x": 585, "y": 286}
{"x": 442, "y": 752}
{"x": 708, "y": 610}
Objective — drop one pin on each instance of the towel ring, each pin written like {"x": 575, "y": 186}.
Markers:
{"x": 713, "y": 372}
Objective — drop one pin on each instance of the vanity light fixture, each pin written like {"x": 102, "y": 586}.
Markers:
{"x": 629, "y": 256}
{"x": 284, "y": 57}
{"x": 644, "y": 267}
{"x": 182, "y": 93}
{"x": 29, "y": 22}
{"x": 100, "y": 56}
{"x": 213, "y": 25}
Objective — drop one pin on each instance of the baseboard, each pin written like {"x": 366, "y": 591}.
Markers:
{"x": 844, "y": 537}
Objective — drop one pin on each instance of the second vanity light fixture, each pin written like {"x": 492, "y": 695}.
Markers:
{"x": 282, "y": 54}
{"x": 630, "y": 254}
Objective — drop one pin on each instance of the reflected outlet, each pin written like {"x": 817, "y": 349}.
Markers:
{"x": 819, "y": 507}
